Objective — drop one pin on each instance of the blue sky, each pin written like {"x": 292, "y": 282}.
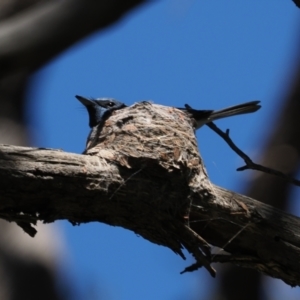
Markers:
{"x": 210, "y": 54}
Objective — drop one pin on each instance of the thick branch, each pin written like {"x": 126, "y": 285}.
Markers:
{"x": 146, "y": 175}
{"x": 297, "y": 2}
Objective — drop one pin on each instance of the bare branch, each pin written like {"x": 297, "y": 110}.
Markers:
{"x": 249, "y": 163}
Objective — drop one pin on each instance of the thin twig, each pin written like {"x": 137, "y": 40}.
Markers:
{"x": 248, "y": 161}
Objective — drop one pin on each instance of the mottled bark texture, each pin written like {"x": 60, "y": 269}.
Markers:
{"x": 145, "y": 174}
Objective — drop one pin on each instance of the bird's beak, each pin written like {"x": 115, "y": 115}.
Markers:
{"x": 84, "y": 101}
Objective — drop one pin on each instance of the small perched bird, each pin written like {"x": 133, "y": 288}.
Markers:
{"x": 201, "y": 117}
{"x": 99, "y": 110}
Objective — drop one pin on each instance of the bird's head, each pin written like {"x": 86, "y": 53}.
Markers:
{"x": 98, "y": 107}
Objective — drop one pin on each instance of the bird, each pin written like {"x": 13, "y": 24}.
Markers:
{"x": 99, "y": 111}
{"x": 200, "y": 117}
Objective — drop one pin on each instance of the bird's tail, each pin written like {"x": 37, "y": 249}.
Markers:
{"x": 245, "y": 108}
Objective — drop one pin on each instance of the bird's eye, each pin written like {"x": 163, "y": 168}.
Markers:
{"x": 111, "y": 104}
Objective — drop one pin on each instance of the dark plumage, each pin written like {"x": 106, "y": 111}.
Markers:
{"x": 99, "y": 110}
{"x": 202, "y": 117}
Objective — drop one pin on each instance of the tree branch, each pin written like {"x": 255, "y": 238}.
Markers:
{"x": 297, "y": 3}
{"x": 248, "y": 161}
{"x": 34, "y": 36}
{"x": 146, "y": 175}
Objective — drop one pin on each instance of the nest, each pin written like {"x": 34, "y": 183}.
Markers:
{"x": 157, "y": 155}
{"x": 151, "y": 133}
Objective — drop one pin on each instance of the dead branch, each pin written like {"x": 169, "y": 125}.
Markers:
{"x": 250, "y": 165}
{"x": 146, "y": 175}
